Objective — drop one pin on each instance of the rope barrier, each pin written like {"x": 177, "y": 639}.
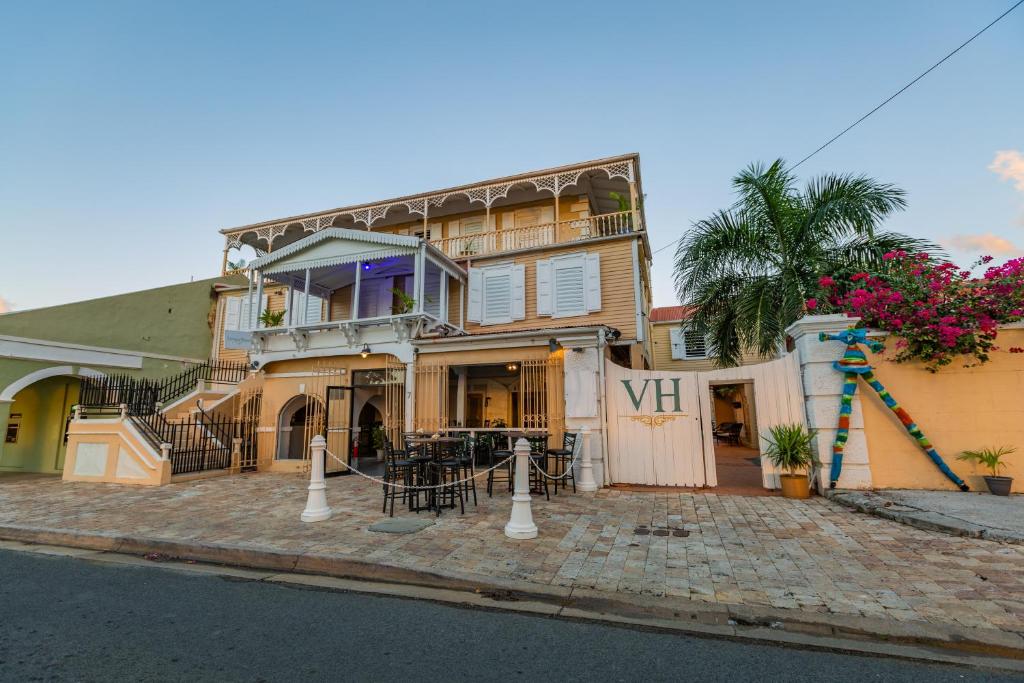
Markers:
{"x": 415, "y": 486}
{"x": 563, "y": 475}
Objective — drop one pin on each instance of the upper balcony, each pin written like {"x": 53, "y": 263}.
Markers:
{"x": 590, "y": 200}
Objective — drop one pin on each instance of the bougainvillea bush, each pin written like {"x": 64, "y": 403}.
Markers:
{"x": 938, "y": 311}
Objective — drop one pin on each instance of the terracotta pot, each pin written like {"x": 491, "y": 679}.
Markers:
{"x": 795, "y": 486}
{"x": 999, "y": 486}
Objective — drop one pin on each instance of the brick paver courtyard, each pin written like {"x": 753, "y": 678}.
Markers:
{"x": 763, "y": 551}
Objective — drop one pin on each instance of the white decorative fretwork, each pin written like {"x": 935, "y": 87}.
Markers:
{"x": 554, "y": 183}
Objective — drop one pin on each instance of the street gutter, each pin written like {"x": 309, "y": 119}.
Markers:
{"x": 948, "y": 644}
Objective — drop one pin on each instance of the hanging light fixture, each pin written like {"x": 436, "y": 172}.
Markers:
{"x": 511, "y": 367}
{"x": 553, "y": 345}
{"x": 366, "y": 351}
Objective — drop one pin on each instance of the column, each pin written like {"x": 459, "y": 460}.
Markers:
{"x": 823, "y": 387}
{"x": 354, "y": 315}
{"x": 305, "y": 299}
{"x": 410, "y": 393}
{"x": 257, "y": 305}
{"x": 460, "y": 395}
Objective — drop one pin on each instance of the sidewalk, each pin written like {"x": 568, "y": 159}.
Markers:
{"x": 730, "y": 558}
{"x": 975, "y": 514}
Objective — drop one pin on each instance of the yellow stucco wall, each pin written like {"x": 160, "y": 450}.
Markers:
{"x": 122, "y": 455}
{"x": 957, "y": 408}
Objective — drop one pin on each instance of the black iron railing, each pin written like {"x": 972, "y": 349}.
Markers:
{"x": 198, "y": 442}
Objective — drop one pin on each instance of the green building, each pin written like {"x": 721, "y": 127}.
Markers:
{"x": 43, "y": 353}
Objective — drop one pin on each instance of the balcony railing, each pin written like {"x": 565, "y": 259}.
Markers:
{"x": 562, "y": 232}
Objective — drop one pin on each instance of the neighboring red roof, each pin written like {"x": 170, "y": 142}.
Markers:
{"x": 665, "y": 314}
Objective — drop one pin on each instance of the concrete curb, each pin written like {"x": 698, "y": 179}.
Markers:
{"x": 913, "y": 640}
{"x": 880, "y": 506}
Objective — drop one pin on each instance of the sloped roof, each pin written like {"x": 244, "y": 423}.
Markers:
{"x": 667, "y": 314}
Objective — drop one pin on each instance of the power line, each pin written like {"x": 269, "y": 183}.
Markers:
{"x": 901, "y": 90}
{"x": 887, "y": 100}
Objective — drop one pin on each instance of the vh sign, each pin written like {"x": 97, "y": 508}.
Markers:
{"x": 661, "y": 394}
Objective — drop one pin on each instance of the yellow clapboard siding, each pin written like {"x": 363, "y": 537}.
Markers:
{"x": 618, "y": 303}
{"x": 661, "y": 352}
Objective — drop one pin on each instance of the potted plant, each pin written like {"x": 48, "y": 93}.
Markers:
{"x": 790, "y": 449}
{"x": 992, "y": 458}
{"x": 272, "y": 319}
{"x": 377, "y": 436}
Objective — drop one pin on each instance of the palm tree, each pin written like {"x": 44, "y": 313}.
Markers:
{"x": 748, "y": 271}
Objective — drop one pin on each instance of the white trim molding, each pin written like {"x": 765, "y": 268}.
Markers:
{"x": 14, "y": 387}
{"x": 25, "y": 348}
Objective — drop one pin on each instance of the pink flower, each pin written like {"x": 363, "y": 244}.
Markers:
{"x": 812, "y": 304}
{"x": 859, "y": 276}
{"x": 826, "y": 281}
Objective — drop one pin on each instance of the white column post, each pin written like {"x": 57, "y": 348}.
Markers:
{"x": 290, "y": 304}
{"x": 410, "y": 393}
{"x": 419, "y": 276}
{"x": 460, "y": 395}
{"x": 520, "y": 523}
{"x": 124, "y": 411}
{"x": 257, "y": 304}
{"x": 165, "y": 451}
{"x": 823, "y": 387}
{"x": 247, "y": 324}
{"x": 317, "y": 509}
{"x": 586, "y": 482}
{"x": 305, "y": 299}
{"x": 355, "y": 291}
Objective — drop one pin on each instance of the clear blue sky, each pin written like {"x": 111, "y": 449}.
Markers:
{"x": 130, "y": 132}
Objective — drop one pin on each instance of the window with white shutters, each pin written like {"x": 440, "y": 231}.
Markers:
{"x": 313, "y": 309}
{"x": 569, "y": 285}
{"x": 249, "y": 314}
{"x": 688, "y": 344}
{"x": 497, "y": 294}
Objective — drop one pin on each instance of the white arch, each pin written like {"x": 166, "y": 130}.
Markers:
{"x": 57, "y": 371}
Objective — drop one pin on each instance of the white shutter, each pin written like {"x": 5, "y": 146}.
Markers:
{"x": 433, "y": 231}
{"x": 695, "y": 345}
{"x": 547, "y": 215}
{"x": 432, "y": 293}
{"x": 249, "y": 314}
{"x": 475, "y": 304}
{"x": 508, "y": 220}
{"x": 497, "y": 295}
{"x": 593, "y": 282}
{"x": 369, "y": 298}
{"x": 569, "y": 286}
{"x": 675, "y": 336}
{"x": 544, "y": 287}
{"x": 233, "y": 313}
{"x": 518, "y": 292}
{"x": 453, "y": 228}
{"x": 492, "y": 222}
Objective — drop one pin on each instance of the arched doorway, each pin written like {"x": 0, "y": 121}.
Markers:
{"x": 296, "y": 426}
{"x": 370, "y": 417}
{"x": 35, "y": 412}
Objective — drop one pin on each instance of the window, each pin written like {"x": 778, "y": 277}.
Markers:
{"x": 239, "y": 314}
{"x": 313, "y": 309}
{"x": 13, "y": 427}
{"x": 688, "y": 344}
{"x": 497, "y": 294}
{"x": 569, "y": 285}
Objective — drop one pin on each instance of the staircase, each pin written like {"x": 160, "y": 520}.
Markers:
{"x": 198, "y": 440}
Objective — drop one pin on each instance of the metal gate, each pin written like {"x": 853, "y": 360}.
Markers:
{"x": 394, "y": 400}
{"x": 337, "y": 428}
{"x": 432, "y": 388}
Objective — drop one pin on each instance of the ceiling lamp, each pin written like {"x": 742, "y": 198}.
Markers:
{"x": 511, "y": 367}
{"x": 366, "y": 351}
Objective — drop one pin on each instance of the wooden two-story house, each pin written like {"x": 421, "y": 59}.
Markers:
{"x": 446, "y": 309}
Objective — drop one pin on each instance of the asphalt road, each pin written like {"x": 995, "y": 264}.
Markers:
{"x": 71, "y": 619}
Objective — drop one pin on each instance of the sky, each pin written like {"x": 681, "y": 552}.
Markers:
{"x": 131, "y": 132}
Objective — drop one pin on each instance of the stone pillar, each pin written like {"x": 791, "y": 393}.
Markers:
{"x": 583, "y": 397}
{"x": 823, "y": 388}
{"x": 520, "y": 523}
{"x": 586, "y": 482}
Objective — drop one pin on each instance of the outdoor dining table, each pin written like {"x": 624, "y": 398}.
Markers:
{"x": 432, "y": 453}
{"x": 526, "y": 434}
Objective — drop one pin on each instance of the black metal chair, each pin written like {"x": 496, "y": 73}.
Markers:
{"x": 398, "y": 468}
{"x": 446, "y": 469}
{"x": 539, "y": 457}
{"x": 467, "y": 471}
{"x": 562, "y": 457}
{"x": 721, "y": 430}
{"x": 494, "y": 455}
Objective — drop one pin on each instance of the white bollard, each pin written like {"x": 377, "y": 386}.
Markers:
{"x": 586, "y": 482}
{"x": 316, "y": 503}
{"x": 520, "y": 523}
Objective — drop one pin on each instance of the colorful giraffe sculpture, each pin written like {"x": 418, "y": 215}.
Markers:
{"x": 854, "y": 363}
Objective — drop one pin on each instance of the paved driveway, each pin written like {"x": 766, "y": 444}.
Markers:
{"x": 803, "y": 555}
